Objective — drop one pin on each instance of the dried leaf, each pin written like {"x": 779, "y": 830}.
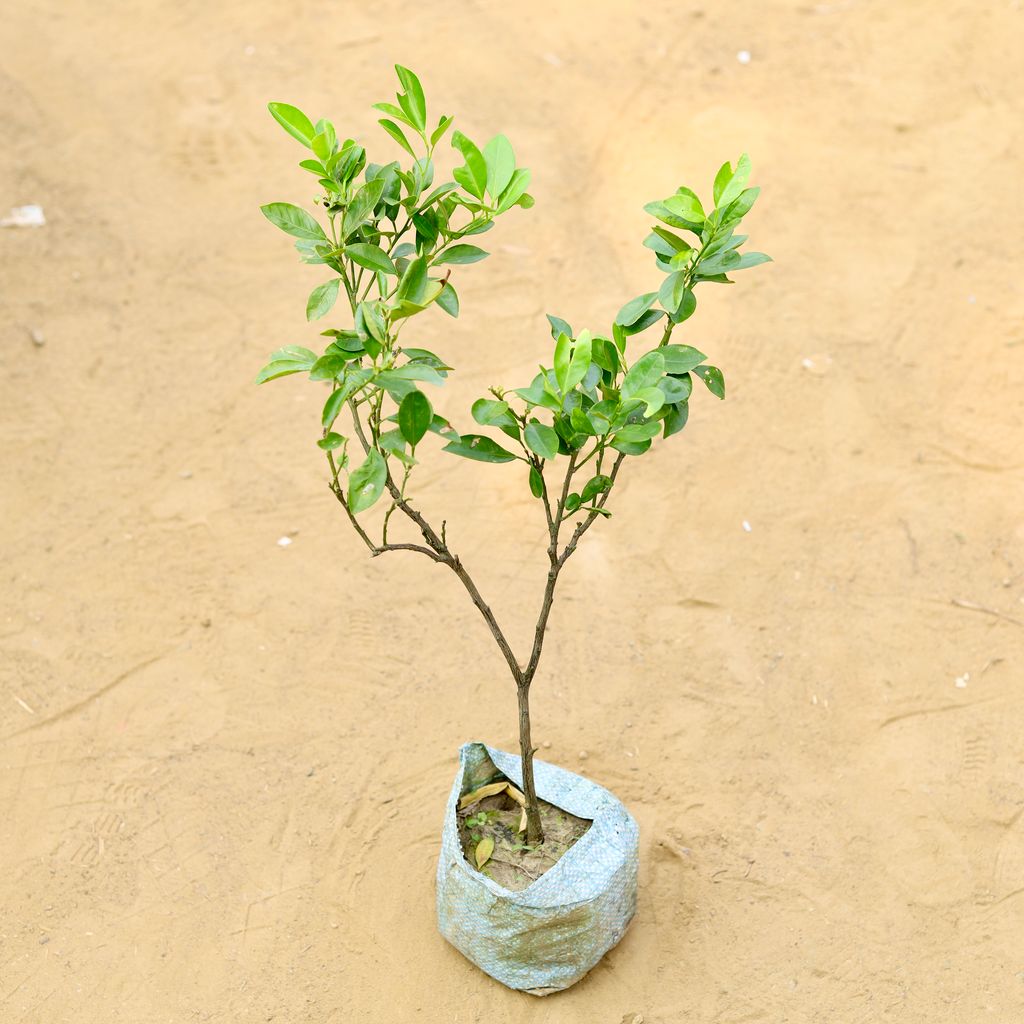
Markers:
{"x": 516, "y": 795}
{"x": 522, "y": 821}
{"x": 484, "y": 849}
{"x": 491, "y": 789}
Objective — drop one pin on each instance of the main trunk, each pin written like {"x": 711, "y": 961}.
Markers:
{"x": 534, "y": 831}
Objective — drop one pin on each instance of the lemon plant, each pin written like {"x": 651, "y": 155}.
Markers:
{"x": 392, "y": 243}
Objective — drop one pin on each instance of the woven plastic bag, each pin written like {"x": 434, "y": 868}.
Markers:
{"x": 549, "y": 935}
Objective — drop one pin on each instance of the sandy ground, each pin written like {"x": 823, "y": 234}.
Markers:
{"x": 223, "y": 762}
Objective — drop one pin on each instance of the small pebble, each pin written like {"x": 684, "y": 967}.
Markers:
{"x": 962, "y": 681}
{"x": 249, "y": 50}
{"x": 37, "y": 336}
{"x": 283, "y": 542}
{"x": 743, "y": 56}
{"x": 186, "y": 474}
{"x": 546, "y": 744}
{"x": 583, "y": 755}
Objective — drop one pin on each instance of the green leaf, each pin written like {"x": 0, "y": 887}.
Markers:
{"x": 750, "y": 259}
{"x": 281, "y": 368}
{"x": 634, "y": 309}
{"x": 370, "y": 324}
{"x": 652, "y": 397}
{"x": 294, "y": 221}
{"x": 676, "y": 418}
{"x": 501, "y": 164}
{"x": 397, "y": 134}
{"x": 393, "y": 442}
{"x": 637, "y": 432}
{"x": 490, "y": 413}
{"x": 370, "y": 256}
{"x": 563, "y": 355}
{"x": 413, "y": 284}
{"x": 713, "y": 378}
{"x": 650, "y": 317}
{"x": 322, "y": 298}
{"x": 675, "y": 389}
{"x": 330, "y": 442}
{"x": 479, "y": 448}
{"x": 459, "y": 254}
{"x": 737, "y": 183}
{"x": 580, "y": 421}
{"x": 415, "y": 416}
{"x": 660, "y": 210}
{"x": 558, "y": 326}
{"x": 361, "y": 208}
{"x": 410, "y": 371}
{"x": 366, "y": 484}
{"x": 315, "y": 166}
{"x": 515, "y": 191}
{"x": 448, "y": 300}
{"x": 417, "y": 104}
{"x": 296, "y": 352}
{"x": 672, "y": 290}
{"x": 722, "y": 178}
{"x": 328, "y": 366}
{"x": 293, "y": 121}
{"x": 644, "y": 373}
{"x": 321, "y": 145}
{"x": 442, "y": 127}
{"x": 686, "y": 206}
{"x": 740, "y": 207}
{"x": 396, "y": 112}
{"x": 594, "y": 486}
{"x": 473, "y": 176}
{"x": 581, "y": 355}
{"x": 681, "y": 358}
{"x": 673, "y": 241}
{"x": 537, "y": 394}
{"x": 572, "y": 502}
{"x": 541, "y": 440}
{"x": 332, "y": 407}
{"x": 536, "y": 483}
{"x": 631, "y": 447}
{"x": 686, "y": 307}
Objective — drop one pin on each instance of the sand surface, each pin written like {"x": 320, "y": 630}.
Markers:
{"x": 223, "y": 762}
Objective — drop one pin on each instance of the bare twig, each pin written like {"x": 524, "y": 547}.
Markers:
{"x": 971, "y": 606}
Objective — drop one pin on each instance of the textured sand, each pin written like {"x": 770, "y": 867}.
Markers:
{"x": 217, "y": 755}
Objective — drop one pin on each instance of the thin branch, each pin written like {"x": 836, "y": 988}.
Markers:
{"x": 439, "y": 551}
{"x": 582, "y": 528}
{"x": 552, "y": 580}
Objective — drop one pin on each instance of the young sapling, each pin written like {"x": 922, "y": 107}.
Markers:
{"x": 394, "y": 244}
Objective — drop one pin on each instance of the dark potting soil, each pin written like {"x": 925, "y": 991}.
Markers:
{"x": 511, "y": 863}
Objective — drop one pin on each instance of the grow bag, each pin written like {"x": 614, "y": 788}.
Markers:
{"x": 549, "y": 935}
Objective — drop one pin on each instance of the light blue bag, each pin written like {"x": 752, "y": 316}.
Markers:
{"x": 549, "y": 935}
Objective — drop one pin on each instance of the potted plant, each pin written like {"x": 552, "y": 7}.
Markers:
{"x": 537, "y": 875}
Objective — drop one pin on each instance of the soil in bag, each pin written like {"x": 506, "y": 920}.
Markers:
{"x": 492, "y": 830}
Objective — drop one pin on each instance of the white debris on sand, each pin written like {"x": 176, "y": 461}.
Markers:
{"x": 283, "y": 542}
{"x": 746, "y": 526}
{"x": 961, "y": 681}
{"x": 743, "y": 56}
{"x": 30, "y": 216}
{"x": 37, "y": 336}
{"x": 817, "y": 364}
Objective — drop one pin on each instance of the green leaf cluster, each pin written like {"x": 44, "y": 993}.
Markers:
{"x": 393, "y": 240}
